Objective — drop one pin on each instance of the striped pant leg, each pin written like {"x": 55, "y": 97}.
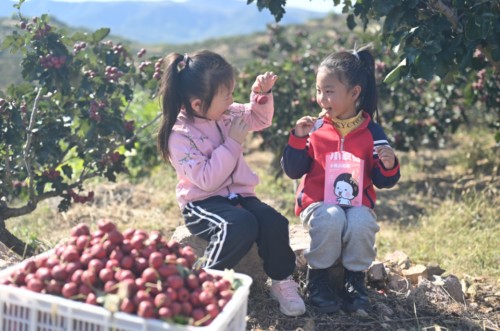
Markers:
{"x": 230, "y": 230}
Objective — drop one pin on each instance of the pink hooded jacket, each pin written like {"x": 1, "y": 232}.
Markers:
{"x": 207, "y": 161}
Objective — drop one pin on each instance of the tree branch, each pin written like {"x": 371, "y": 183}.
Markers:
{"x": 439, "y": 6}
{"x": 27, "y": 152}
{"x": 7, "y": 179}
{"x": 9, "y": 212}
{"x": 142, "y": 128}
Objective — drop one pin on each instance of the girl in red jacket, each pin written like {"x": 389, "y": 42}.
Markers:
{"x": 340, "y": 157}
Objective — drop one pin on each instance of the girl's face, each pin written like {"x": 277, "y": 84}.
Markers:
{"x": 334, "y": 97}
{"x": 220, "y": 103}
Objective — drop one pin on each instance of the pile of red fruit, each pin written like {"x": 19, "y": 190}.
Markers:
{"x": 131, "y": 271}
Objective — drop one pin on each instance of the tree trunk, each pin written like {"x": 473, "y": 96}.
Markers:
{"x": 15, "y": 244}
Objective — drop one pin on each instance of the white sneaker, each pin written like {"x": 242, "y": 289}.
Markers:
{"x": 286, "y": 293}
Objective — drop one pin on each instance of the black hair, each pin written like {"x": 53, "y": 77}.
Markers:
{"x": 356, "y": 68}
{"x": 347, "y": 177}
{"x": 185, "y": 78}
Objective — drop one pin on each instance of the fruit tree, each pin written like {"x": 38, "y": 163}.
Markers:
{"x": 432, "y": 37}
{"x": 68, "y": 121}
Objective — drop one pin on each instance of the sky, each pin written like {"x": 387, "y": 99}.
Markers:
{"x": 313, "y": 5}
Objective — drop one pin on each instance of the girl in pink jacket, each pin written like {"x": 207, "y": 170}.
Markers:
{"x": 201, "y": 134}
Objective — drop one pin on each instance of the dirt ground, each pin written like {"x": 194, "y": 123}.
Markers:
{"x": 426, "y": 307}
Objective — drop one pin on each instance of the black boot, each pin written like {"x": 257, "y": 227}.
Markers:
{"x": 320, "y": 295}
{"x": 355, "y": 294}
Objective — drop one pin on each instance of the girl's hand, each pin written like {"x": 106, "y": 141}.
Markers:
{"x": 264, "y": 83}
{"x": 304, "y": 125}
{"x": 387, "y": 156}
{"x": 238, "y": 130}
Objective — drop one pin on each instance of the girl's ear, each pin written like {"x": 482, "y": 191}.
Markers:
{"x": 196, "y": 104}
{"x": 356, "y": 91}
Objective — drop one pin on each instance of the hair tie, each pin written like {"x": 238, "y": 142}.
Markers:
{"x": 355, "y": 53}
{"x": 184, "y": 63}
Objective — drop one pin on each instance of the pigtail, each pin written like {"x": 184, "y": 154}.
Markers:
{"x": 369, "y": 94}
{"x": 171, "y": 100}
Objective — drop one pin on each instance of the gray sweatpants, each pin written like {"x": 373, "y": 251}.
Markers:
{"x": 337, "y": 234}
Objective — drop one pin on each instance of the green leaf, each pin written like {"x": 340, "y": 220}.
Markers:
{"x": 8, "y": 42}
{"x": 484, "y": 24}
{"x": 472, "y": 31}
{"x": 425, "y": 64}
{"x": 432, "y": 47}
{"x": 466, "y": 59}
{"x": 277, "y": 9}
{"x": 67, "y": 170}
{"x": 14, "y": 42}
{"x": 384, "y": 7}
{"x": 495, "y": 52}
{"x": 393, "y": 21}
{"x": 351, "y": 23}
{"x": 81, "y": 36}
{"x": 100, "y": 34}
{"x": 395, "y": 73}
{"x": 18, "y": 6}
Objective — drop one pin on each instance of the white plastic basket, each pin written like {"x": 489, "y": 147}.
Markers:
{"x": 24, "y": 310}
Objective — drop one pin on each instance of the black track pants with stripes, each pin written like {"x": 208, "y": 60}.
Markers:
{"x": 232, "y": 226}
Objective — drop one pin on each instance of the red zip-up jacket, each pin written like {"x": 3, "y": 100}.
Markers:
{"x": 307, "y": 156}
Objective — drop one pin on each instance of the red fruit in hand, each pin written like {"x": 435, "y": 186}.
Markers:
{"x": 261, "y": 99}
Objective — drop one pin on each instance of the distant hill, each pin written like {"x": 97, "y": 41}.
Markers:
{"x": 10, "y": 64}
{"x": 152, "y": 22}
{"x": 237, "y": 49}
